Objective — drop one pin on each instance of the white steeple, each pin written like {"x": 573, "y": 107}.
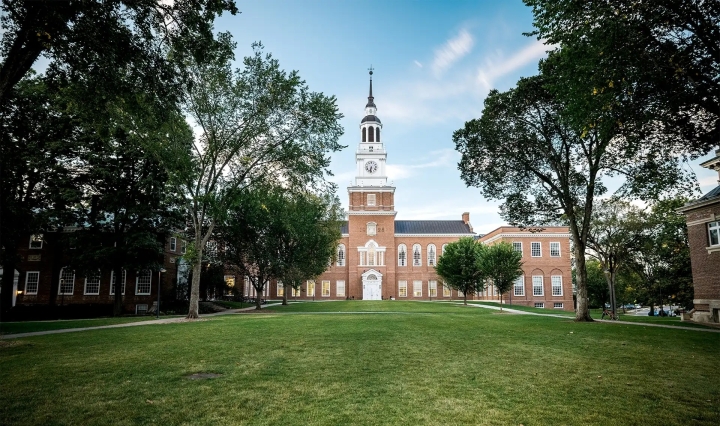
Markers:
{"x": 370, "y": 156}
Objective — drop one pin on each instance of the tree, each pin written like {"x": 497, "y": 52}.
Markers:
{"x": 257, "y": 125}
{"x": 546, "y": 158}
{"x": 615, "y": 226}
{"x": 100, "y": 42}
{"x": 598, "y": 291}
{"x": 502, "y": 265}
{"x": 459, "y": 266}
{"x": 658, "y": 59}
{"x": 271, "y": 233}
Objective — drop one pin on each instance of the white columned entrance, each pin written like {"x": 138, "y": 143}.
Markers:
{"x": 372, "y": 285}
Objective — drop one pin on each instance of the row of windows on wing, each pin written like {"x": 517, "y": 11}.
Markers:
{"x": 490, "y": 291}
{"x": 66, "y": 285}
{"x": 536, "y": 249}
{"x": 372, "y": 255}
{"x": 308, "y": 289}
{"x": 371, "y": 134}
{"x": 36, "y": 243}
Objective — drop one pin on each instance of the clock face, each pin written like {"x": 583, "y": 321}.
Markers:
{"x": 371, "y": 166}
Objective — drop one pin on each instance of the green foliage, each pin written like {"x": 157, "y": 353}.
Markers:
{"x": 502, "y": 265}
{"x": 460, "y": 268}
{"x": 598, "y": 293}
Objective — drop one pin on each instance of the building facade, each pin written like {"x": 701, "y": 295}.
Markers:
{"x": 380, "y": 257}
{"x": 703, "y": 222}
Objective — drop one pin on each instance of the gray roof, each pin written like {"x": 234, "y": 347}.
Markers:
{"x": 714, "y": 193}
{"x": 370, "y": 118}
{"x": 432, "y": 227}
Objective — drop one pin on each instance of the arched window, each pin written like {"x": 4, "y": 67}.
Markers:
{"x": 417, "y": 259}
{"x": 431, "y": 254}
{"x": 377, "y": 134}
{"x": 402, "y": 255}
{"x": 371, "y": 135}
{"x": 443, "y": 249}
{"x": 364, "y": 134}
{"x": 341, "y": 255}
{"x": 371, "y": 255}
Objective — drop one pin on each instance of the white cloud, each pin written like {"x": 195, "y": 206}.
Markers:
{"x": 453, "y": 50}
{"x": 442, "y": 158}
{"x": 494, "y": 69}
{"x": 418, "y": 64}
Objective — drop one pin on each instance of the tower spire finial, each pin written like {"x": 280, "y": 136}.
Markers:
{"x": 371, "y": 99}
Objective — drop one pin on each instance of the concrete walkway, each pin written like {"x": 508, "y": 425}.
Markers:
{"x": 252, "y": 308}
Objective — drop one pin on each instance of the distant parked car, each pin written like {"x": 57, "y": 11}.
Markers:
{"x": 629, "y": 306}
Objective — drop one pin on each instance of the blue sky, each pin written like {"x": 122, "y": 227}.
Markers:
{"x": 434, "y": 64}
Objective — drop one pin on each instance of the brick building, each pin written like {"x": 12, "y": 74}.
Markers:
{"x": 379, "y": 257}
{"x": 703, "y": 221}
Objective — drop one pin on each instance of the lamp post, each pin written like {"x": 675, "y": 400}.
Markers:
{"x": 157, "y": 310}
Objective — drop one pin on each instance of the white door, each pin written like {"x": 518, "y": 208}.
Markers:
{"x": 372, "y": 288}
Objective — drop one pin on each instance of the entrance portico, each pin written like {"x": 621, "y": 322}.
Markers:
{"x": 372, "y": 285}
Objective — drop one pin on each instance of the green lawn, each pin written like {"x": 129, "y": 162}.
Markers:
{"x": 32, "y": 326}
{"x": 411, "y": 363}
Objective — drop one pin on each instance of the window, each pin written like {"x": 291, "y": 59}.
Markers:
{"x": 416, "y": 255}
{"x": 341, "y": 255}
{"x": 311, "y": 288}
{"x": 443, "y": 249}
{"x": 36, "y": 241}
{"x": 554, "y": 249}
{"x": 32, "y": 280}
{"x": 326, "y": 289}
{"x": 112, "y": 282}
{"x": 92, "y": 283}
{"x": 364, "y": 134}
{"x": 535, "y": 250}
{"x": 556, "y": 282}
{"x": 371, "y": 134}
{"x": 377, "y": 134}
{"x": 173, "y": 244}
{"x": 402, "y": 255}
{"x": 142, "y": 282}
{"x": 537, "y": 281}
{"x": 417, "y": 288}
{"x": 183, "y": 247}
{"x": 280, "y": 289}
{"x": 432, "y": 288}
{"x": 431, "y": 255}
{"x": 371, "y": 228}
{"x": 340, "y": 288}
{"x": 371, "y": 200}
{"x": 447, "y": 292}
{"x": 296, "y": 292}
{"x": 402, "y": 288}
{"x": 540, "y": 305}
{"x": 67, "y": 281}
{"x": 714, "y": 233}
{"x": 557, "y": 305}
{"x": 517, "y": 247}
{"x": 519, "y": 286}
{"x": 229, "y": 283}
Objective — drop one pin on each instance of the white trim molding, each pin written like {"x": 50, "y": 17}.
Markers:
{"x": 528, "y": 235}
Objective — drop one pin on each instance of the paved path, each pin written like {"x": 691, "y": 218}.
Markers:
{"x": 252, "y": 308}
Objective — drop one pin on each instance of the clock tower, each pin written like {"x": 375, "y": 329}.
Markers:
{"x": 371, "y": 213}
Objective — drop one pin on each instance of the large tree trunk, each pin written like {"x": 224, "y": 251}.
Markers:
{"x": 118, "y": 302}
{"x": 7, "y": 284}
{"x": 582, "y": 313}
{"x": 194, "y": 310}
{"x": 285, "y": 295}
{"x": 258, "y": 294}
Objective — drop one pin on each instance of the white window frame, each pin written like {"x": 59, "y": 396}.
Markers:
{"x": 340, "y": 288}
{"x": 280, "y": 291}
{"x": 714, "y": 233}
{"x": 519, "y": 285}
{"x": 555, "y": 244}
{"x": 112, "y": 282}
{"x": 310, "y": 288}
{"x": 402, "y": 288}
{"x": 173, "y": 244}
{"x": 443, "y": 249}
{"x": 36, "y": 281}
{"x": 536, "y": 278}
{"x": 557, "y": 305}
{"x": 539, "y": 305}
{"x": 431, "y": 255}
{"x": 183, "y": 246}
{"x": 556, "y": 285}
{"x": 296, "y": 292}
{"x": 518, "y": 247}
{"x": 447, "y": 291}
{"x": 60, "y": 284}
{"x": 371, "y": 200}
{"x": 34, "y": 239}
{"x": 532, "y": 249}
{"x": 138, "y": 276}
{"x": 402, "y": 250}
{"x": 432, "y": 288}
{"x": 85, "y": 288}
{"x": 325, "y": 288}
{"x": 417, "y": 288}
{"x": 417, "y": 255}
{"x": 341, "y": 255}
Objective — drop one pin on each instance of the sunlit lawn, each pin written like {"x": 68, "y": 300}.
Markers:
{"x": 410, "y": 363}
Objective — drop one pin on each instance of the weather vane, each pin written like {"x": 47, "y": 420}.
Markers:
{"x": 371, "y": 69}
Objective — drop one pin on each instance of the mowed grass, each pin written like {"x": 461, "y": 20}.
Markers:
{"x": 427, "y": 364}
{"x": 32, "y": 326}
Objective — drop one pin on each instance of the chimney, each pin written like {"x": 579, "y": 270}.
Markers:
{"x": 466, "y": 220}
